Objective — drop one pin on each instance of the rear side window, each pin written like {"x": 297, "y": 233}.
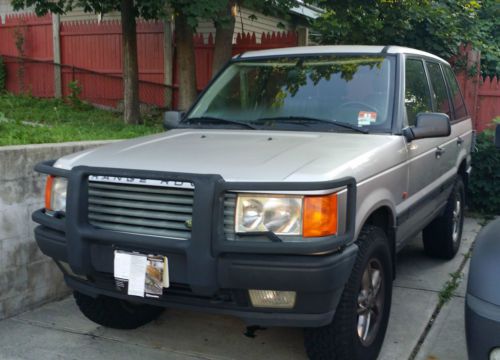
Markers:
{"x": 417, "y": 94}
{"x": 456, "y": 96}
{"x": 439, "y": 93}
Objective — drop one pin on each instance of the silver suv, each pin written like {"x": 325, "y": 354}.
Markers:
{"x": 281, "y": 197}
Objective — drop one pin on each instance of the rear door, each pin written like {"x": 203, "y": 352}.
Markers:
{"x": 461, "y": 124}
{"x": 447, "y": 149}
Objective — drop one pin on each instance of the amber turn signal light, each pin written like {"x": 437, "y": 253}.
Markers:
{"x": 48, "y": 192}
{"x": 320, "y": 215}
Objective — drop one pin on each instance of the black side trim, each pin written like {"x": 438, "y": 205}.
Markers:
{"x": 405, "y": 215}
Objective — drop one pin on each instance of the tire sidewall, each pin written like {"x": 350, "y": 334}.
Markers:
{"x": 458, "y": 190}
{"x": 377, "y": 248}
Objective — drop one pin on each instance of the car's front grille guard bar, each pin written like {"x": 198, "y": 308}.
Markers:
{"x": 208, "y": 204}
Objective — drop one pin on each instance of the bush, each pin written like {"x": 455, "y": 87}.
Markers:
{"x": 75, "y": 90}
{"x": 484, "y": 186}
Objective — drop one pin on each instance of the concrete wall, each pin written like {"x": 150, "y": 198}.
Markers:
{"x": 27, "y": 277}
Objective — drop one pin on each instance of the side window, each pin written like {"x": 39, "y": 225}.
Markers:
{"x": 439, "y": 93}
{"x": 456, "y": 96}
{"x": 417, "y": 95}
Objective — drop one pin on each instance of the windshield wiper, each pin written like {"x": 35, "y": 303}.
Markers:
{"x": 303, "y": 120}
{"x": 215, "y": 120}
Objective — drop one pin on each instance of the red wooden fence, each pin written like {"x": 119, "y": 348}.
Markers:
{"x": 89, "y": 45}
{"x": 35, "y": 34}
{"x": 488, "y": 102}
{"x": 482, "y": 95}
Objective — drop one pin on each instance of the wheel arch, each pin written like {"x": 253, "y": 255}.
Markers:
{"x": 383, "y": 216}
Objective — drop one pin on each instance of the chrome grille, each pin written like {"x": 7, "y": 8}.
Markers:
{"x": 229, "y": 213}
{"x": 141, "y": 209}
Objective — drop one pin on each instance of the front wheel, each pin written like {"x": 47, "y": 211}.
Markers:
{"x": 116, "y": 313}
{"x": 358, "y": 327}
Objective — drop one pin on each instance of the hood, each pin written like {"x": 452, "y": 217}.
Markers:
{"x": 247, "y": 155}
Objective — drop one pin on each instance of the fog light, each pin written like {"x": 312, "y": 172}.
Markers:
{"x": 495, "y": 354}
{"x": 272, "y": 298}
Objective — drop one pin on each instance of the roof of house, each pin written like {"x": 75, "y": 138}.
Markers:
{"x": 307, "y": 10}
{"x": 339, "y": 49}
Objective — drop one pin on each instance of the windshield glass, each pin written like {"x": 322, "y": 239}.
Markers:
{"x": 310, "y": 91}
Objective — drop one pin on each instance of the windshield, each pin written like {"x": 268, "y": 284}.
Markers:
{"x": 350, "y": 92}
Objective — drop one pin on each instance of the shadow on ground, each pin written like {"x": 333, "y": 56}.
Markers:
{"x": 58, "y": 331}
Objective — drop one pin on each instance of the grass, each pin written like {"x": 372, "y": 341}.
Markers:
{"x": 449, "y": 287}
{"x": 28, "y": 120}
{"x": 482, "y": 218}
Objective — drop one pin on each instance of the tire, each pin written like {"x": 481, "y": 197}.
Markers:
{"x": 442, "y": 237}
{"x": 116, "y": 313}
{"x": 340, "y": 339}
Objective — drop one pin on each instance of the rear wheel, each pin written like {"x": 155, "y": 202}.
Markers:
{"x": 442, "y": 237}
{"x": 358, "y": 327}
{"x": 116, "y": 313}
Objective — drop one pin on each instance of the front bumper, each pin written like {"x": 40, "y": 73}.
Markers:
{"x": 207, "y": 272}
{"x": 482, "y": 325}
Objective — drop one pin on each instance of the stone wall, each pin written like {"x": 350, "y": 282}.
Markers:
{"x": 27, "y": 277}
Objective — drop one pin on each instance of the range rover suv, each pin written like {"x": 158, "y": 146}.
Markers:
{"x": 282, "y": 196}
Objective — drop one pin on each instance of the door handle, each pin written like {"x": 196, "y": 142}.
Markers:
{"x": 439, "y": 151}
{"x": 460, "y": 141}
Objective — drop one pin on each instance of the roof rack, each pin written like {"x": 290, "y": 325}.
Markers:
{"x": 385, "y": 49}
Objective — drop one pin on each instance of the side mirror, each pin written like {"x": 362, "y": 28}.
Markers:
{"x": 497, "y": 136}
{"x": 429, "y": 125}
{"x": 172, "y": 119}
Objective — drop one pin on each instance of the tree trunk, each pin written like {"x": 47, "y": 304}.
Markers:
{"x": 185, "y": 62}
{"x": 224, "y": 30}
{"x": 131, "y": 110}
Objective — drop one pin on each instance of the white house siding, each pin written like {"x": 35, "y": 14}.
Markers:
{"x": 260, "y": 25}
{"x": 6, "y": 8}
{"x": 244, "y": 24}
{"x": 75, "y": 15}
{"x": 206, "y": 27}
{"x": 80, "y": 15}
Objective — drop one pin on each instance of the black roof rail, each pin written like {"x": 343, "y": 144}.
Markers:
{"x": 385, "y": 49}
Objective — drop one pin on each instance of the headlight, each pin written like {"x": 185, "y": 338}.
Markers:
{"x": 309, "y": 216}
{"x": 281, "y": 215}
{"x": 55, "y": 193}
{"x": 495, "y": 354}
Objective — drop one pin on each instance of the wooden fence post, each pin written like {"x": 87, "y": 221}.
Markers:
{"x": 474, "y": 61}
{"x": 168, "y": 61}
{"x": 302, "y": 36}
{"x": 56, "y": 22}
